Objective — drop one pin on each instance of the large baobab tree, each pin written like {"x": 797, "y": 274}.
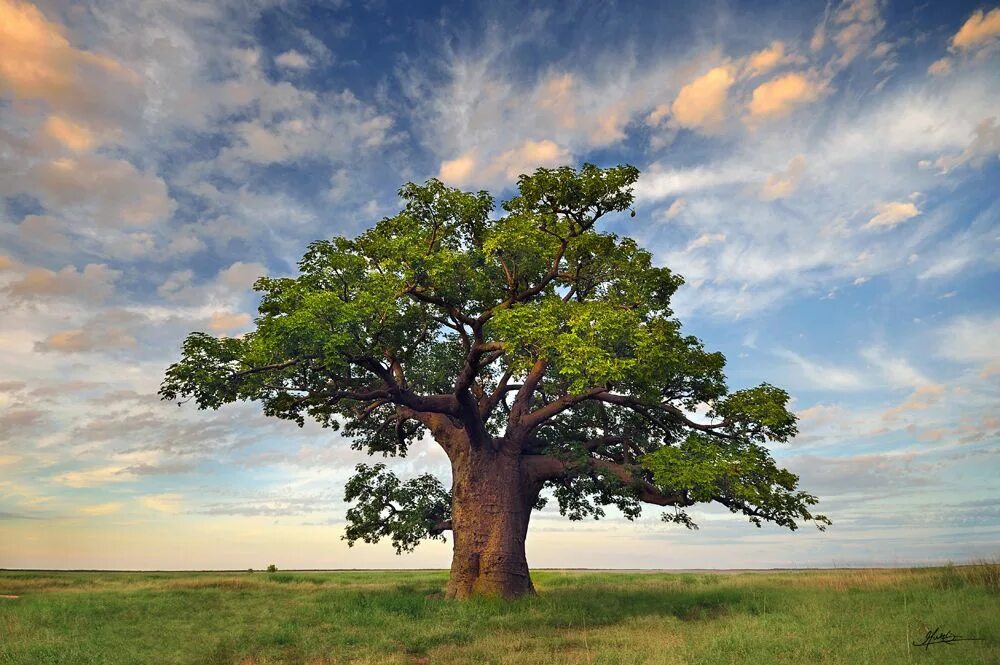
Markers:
{"x": 535, "y": 349}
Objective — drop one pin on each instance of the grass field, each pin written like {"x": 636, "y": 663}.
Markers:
{"x": 828, "y": 616}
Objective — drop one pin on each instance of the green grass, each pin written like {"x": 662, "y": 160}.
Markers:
{"x": 835, "y": 616}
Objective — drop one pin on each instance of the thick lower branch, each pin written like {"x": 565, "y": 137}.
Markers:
{"x": 440, "y": 528}
{"x": 539, "y": 416}
{"x": 547, "y": 467}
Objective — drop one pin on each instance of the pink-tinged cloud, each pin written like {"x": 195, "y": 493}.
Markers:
{"x": 780, "y": 96}
{"x": 980, "y": 30}
{"x": 702, "y": 104}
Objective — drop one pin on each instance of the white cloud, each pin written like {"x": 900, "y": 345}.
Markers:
{"x": 505, "y": 167}
{"x": 39, "y": 63}
{"x": 224, "y": 322}
{"x": 941, "y": 67}
{"x": 660, "y": 182}
{"x": 970, "y": 339}
{"x": 292, "y": 59}
{"x": 675, "y": 208}
{"x": 702, "y": 104}
{"x": 163, "y": 503}
{"x": 94, "y": 284}
{"x": 772, "y": 57}
{"x": 101, "y": 509}
{"x": 94, "y": 477}
{"x": 73, "y": 135}
{"x": 807, "y": 244}
{"x": 92, "y": 189}
{"x": 332, "y": 126}
{"x": 859, "y": 22}
{"x": 485, "y": 108}
{"x": 980, "y": 31}
{"x": 228, "y": 286}
{"x": 781, "y": 95}
{"x": 781, "y": 184}
{"x": 891, "y": 214}
{"x": 241, "y": 275}
{"x": 111, "y": 330}
{"x": 967, "y": 249}
{"x": 985, "y": 145}
{"x": 705, "y": 239}
{"x": 896, "y": 371}
{"x": 823, "y": 376}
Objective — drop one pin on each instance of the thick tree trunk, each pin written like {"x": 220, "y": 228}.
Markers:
{"x": 492, "y": 499}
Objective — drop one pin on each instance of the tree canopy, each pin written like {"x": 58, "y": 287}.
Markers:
{"x": 532, "y": 332}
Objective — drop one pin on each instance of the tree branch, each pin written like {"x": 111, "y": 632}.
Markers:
{"x": 547, "y": 467}
{"x": 523, "y": 397}
{"x": 376, "y": 396}
{"x": 446, "y": 404}
{"x": 440, "y": 527}
{"x": 418, "y": 293}
{"x": 269, "y": 368}
{"x": 475, "y": 360}
{"x": 675, "y": 413}
{"x": 536, "y": 418}
{"x": 487, "y": 405}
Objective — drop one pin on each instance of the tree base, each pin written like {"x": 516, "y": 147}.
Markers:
{"x": 506, "y": 587}
{"x": 492, "y": 499}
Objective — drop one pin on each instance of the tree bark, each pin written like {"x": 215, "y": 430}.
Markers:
{"x": 492, "y": 499}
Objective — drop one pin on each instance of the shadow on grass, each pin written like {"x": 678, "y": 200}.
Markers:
{"x": 413, "y": 619}
{"x": 285, "y": 617}
{"x": 609, "y": 606}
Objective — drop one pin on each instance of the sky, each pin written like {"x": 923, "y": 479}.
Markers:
{"x": 824, "y": 175}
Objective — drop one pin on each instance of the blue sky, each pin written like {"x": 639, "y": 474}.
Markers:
{"x": 824, "y": 175}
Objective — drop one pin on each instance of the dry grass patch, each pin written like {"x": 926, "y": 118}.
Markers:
{"x": 217, "y": 583}
{"x": 985, "y": 574}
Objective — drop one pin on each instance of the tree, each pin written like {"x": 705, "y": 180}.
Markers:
{"x": 536, "y": 350}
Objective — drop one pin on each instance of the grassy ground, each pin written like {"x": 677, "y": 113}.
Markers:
{"x": 838, "y": 616}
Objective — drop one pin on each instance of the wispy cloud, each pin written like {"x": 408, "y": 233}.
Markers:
{"x": 818, "y": 375}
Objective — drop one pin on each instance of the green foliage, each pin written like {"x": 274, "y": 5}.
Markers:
{"x": 739, "y": 474}
{"x": 584, "y": 494}
{"x": 375, "y": 332}
{"x": 353, "y": 302}
{"x": 271, "y": 568}
{"x": 757, "y": 414}
{"x": 550, "y": 192}
{"x": 404, "y": 511}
